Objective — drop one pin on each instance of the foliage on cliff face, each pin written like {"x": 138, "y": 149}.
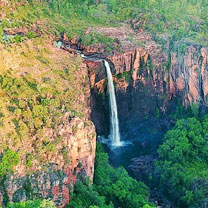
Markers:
{"x": 112, "y": 188}
{"x": 38, "y": 85}
{"x": 9, "y": 159}
{"x": 32, "y": 204}
{"x": 183, "y": 163}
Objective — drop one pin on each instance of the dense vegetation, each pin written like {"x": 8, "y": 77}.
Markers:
{"x": 9, "y": 159}
{"x": 179, "y": 20}
{"x": 34, "y": 99}
{"x": 181, "y": 167}
{"x": 31, "y": 102}
{"x": 183, "y": 163}
{"x": 32, "y": 204}
{"x": 111, "y": 188}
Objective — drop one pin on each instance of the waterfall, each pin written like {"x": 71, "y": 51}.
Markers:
{"x": 114, "y": 124}
{"x": 114, "y": 128}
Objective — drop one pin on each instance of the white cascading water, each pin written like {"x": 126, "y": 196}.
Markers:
{"x": 114, "y": 128}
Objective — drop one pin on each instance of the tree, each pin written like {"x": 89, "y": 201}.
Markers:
{"x": 112, "y": 188}
{"x": 182, "y": 164}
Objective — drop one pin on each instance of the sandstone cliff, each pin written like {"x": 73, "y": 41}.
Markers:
{"x": 149, "y": 75}
{"x": 45, "y": 120}
{"x": 56, "y": 181}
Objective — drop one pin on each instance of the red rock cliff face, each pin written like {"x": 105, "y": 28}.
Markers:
{"x": 153, "y": 75}
{"x": 71, "y": 143}
{"x": 80, "y": 141}
{"x": 184, "y": 74}
{"x": 181, "y": 73}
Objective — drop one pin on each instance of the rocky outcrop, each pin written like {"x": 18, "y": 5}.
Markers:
{"x": 150, "y": 76}
{"x": 142, "y": 167}
{"x": 74, "y": 162}
{"x": 59, "y": 148}
{"x": 172, "y": 73}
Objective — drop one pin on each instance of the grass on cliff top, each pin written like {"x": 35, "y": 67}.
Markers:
{"x": 38, "y": 85}
{"x": 178, "y": 19}
{"x": 164, "y": 19}
{"x": 54, "y": 18}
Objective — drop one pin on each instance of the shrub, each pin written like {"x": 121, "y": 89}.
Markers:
{"x": 8, "y": 161}
{"x": 1, "y": 33}
{"x": 31, "y": 35}
{"x": 32, "y": 204}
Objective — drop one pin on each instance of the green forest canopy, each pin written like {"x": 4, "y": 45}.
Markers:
{"x": 178, "y": 19}
{"x": 183, "y": 162}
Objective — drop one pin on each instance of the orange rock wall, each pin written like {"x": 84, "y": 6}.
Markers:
{"x": 175, "y": 74}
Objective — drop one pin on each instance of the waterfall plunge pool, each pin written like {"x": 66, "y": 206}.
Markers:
{"x": 139, "y": 139}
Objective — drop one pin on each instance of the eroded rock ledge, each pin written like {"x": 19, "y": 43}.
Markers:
{"x": 148, "y": 75}
{"x": 170, "y": 73}
{"x": 78, "y": 162}
{"x": 51, "y": 157}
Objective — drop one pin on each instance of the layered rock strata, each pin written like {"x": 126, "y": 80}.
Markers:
{"x": 149, "y": 75}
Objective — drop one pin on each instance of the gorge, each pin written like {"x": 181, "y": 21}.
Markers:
{"x": 103, "y": 104}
